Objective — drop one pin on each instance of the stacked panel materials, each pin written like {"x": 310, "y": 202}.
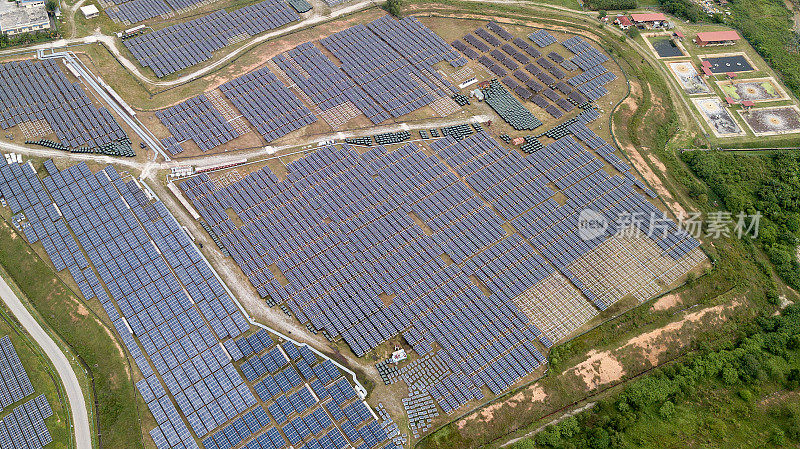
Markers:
{"x": 391, "y": 138}
{"x": 14, "y": 382}
{"x": 300, "y": 6}
{"x": 509, "y": 108}
{"x": 267, "y": 104}
{"x": 198, "y": 120}
{"x": 24, "y": 427}
{"x": 40, "y": 91}
{"x": 183, "y": 45}
{"x": 457, "y": 131}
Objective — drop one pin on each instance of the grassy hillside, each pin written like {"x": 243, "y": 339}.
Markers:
{"x": 741, "y": 395}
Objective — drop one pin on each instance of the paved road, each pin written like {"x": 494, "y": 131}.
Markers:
{"x": 80, "y": 417}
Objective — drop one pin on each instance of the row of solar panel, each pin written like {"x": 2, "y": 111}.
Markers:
{"x": 39, "y": 90}
{"x": 183, "y": 45}
{"x": 24, "y": 427}
{"x": 331, "y": 317}
{"x": 14, "y": 381}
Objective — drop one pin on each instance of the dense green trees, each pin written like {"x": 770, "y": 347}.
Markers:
{"x": 611, "y": 5}
{"x": 769, "y": 185}
{"x": 766, "y": 24}
{"x": 26, "y": 38}
{"x": 393, "y": 7}
{"x": 684, "y": 9}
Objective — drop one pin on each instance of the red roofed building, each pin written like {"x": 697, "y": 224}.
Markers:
{"x": 649, "y": 17}
{"x": 654, "y": 19}
{"x": 624, "y": 22}
{"x": 728, "y": 37}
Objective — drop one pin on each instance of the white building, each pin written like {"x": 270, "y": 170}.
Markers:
{"x": 30, "y": 3}
{"x": 90, "y": 11}
{"x": 23, "y": 16}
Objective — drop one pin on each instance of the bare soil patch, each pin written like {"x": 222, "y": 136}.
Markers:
{"x": 666, "y": 302}
{"x": 532, "y": 394}
{"x": 599, "y": 369}
{"x": 604, "y": 367}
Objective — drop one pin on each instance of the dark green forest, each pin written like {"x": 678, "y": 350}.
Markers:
{"x": 768, "y": 184}
{"x": 610, "y": 5}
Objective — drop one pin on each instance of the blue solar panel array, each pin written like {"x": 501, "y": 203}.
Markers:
{"x": 172, "y": 315}
{"x": 14, "y": 381}
{"x": 267, "y": 104}
{"x": 339, "y": 230}
{"x": 24, "y": 427}
{"x": 138, "y": 10}
{"x": 589, "y": 59}
{"x": 171, "y": 145}
{"x": 488, "y": 37}
{"x": 406, "y": 46}
{"x": 416, "y": 42}
{"x": 541, "y": 81}
{"x": 499, "y": 30}
{"x": 324, "y": 82}
{"x": 397, "y": 84}
{"x": 542, "y": 38}
{"x": 477, "y": 43}
{"x": 183, "y": 45}
{"x": 308, "y": 399}
{"x": 39, "y": 90}
{"x": 160, "y": 290}
{"x": 198, "y": 120}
